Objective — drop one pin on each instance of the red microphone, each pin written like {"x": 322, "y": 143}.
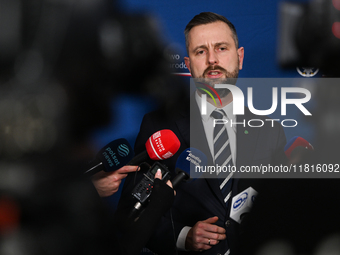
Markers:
{"x": 296, "y": 142}
{"x": 161, "y": 145}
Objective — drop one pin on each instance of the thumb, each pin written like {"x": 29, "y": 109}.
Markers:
{"x": 211, "y": 220}
{"x": 158, "y": 174}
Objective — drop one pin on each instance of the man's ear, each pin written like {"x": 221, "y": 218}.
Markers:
{"x": 187, "y": 63}
{"x": 240, "y": 53}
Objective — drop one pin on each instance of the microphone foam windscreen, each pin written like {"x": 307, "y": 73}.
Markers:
{"x": 296, "y": 141}
{"x": 162, "y": 145}
{"x": 115, "y": 155}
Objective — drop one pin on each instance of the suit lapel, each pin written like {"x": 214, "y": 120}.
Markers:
{"x": 246, "y": 140}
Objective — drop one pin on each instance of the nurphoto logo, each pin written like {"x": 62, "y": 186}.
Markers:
{"x": 239, "y": 103}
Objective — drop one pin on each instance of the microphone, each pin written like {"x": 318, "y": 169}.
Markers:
{"x": 242, "y": 204}
{"x": 298, "y": 145}
{"x": 111, "y": 157}
{"x": 186, "y": 163}
{"x": 161, "y": 145}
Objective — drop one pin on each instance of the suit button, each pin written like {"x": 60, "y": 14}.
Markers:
{"x": 227, "y": 223}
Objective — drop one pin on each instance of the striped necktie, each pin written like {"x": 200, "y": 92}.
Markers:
{"x": 222, "y": 154}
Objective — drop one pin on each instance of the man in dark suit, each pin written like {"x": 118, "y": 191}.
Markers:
{"x": 200, "y": 214}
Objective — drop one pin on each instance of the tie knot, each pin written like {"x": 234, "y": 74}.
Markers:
{"x": 218, "y": 114}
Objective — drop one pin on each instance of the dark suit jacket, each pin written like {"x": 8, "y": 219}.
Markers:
{"x": 202, "y": 198}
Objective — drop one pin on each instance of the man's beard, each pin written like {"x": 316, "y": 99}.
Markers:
{"x": 230, "y": 78}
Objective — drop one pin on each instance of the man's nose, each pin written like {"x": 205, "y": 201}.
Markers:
{"x": 212, "y": 58}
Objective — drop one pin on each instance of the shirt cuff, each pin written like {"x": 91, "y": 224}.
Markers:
{"x": 182, "y": 237}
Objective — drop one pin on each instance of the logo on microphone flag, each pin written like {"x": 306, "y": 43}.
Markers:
{"x": 123, "y": 150}
{"x": 240, "y": 201}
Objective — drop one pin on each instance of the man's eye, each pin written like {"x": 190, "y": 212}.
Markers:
{"x": 200, "y": 52}
{"x": 223, "y": 49}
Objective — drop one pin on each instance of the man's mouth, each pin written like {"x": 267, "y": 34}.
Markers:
{"x": 214, "y": 74}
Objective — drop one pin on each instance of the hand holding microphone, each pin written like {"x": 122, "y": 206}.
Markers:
{"x": 118, "y": 153}
{"x": 140, "y": 227}
{"x": 111, "y": 163}
{"x": 107, "y": 183}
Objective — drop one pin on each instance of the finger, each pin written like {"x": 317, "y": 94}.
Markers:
{"x": 114, "y": 176}
{"x": 204, "y": 247}
{"x": 213, "y": 237}
{"x": 120, "y": 177}
{"x": 213, "y": 228}
{"x": 211, "y": 220}
{"x": 169, "y": 183}
{"x": 158, "y": 174}
{"x": 127, "y": 169}
{"x": 210, "y": 232}
{"x": 210, "y": 242}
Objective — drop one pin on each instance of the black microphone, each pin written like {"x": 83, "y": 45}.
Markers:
{"x": 111, "y": 157}
{"x": 188, "y": 161}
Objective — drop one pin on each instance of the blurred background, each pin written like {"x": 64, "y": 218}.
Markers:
{"x": 75, "y": 75}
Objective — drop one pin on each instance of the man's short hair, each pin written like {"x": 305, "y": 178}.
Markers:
{"x": 206, "y": 18}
